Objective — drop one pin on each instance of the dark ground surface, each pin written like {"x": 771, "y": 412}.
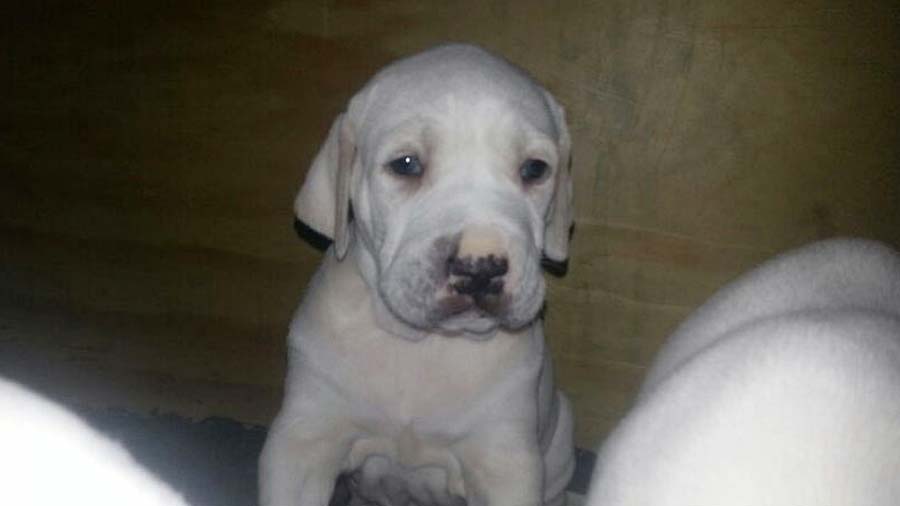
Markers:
{"x": 213, "y": 461}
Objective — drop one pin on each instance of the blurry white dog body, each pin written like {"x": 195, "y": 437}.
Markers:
{"x": 416, "y": 360}
{"x": 782, "y": 390}
{"x": 49, "y": 457}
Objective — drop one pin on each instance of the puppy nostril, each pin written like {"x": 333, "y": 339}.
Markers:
{"x": 493, "y": 266}
{"x": 451, "y": 267}
{"x": 480, "y": 276}
{"x": 487, "y": 267}
{"x": 447, "y": 248}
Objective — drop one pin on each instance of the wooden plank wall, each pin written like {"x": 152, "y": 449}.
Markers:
{"x": 149, "y": 156}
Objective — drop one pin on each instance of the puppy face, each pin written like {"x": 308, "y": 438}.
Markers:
{"x": 456, "y": 166}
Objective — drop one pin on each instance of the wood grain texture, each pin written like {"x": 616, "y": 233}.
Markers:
{"x": 150, "y": 153}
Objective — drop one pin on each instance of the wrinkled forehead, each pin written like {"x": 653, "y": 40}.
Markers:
{"x": 454, "y": 84}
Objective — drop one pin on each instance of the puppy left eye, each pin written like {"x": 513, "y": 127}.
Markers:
{"x": 533, "y": 170}
{"x": 407, "y": 165}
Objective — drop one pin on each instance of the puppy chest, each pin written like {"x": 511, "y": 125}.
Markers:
{"x": 438, "y": 377}
{"x": 405, "y": 469}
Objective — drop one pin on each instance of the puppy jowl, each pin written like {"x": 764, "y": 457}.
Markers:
{"x": 418, "y": 368}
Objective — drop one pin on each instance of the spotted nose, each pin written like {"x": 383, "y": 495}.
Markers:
{"x": 478, "y": 277}
{"x": 478, "y": 265}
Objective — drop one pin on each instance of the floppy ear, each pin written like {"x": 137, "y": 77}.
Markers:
{"x": 323, "y": 203}
{"x": 560, "y": 216}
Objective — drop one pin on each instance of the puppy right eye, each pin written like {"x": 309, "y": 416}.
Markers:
{"x": 533, "y": 171}
{"x": 407, "y": 166}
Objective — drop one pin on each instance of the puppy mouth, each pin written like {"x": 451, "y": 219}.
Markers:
{"x": 488, "y": 306}
{"x": 471, "y": 308}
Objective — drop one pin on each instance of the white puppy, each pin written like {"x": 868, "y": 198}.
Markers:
{"x": 49, "y": 457}
{"x": 417, "y": 360}
{"x": 782, "y": 390}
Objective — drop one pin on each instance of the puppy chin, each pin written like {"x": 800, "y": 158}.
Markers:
{"x": 415, "y": 326}
{"x": 471, "y": 324}
{"x": 461, "y": 316}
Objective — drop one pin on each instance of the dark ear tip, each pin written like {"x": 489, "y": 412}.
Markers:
{"x": 555, "y": 267}
{"x": 313, "y": 238}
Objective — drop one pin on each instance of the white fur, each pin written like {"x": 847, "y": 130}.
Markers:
{"x": 425, "y": 406}
{"x": 782, "y": 390}
{"x": 49, "y": 457}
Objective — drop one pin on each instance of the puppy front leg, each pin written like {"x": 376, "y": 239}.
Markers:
{"x": 502, "y": 467}
{"x": 299, "y": 464}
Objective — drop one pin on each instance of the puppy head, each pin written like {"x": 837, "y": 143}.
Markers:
{"x": 456, "y": 165}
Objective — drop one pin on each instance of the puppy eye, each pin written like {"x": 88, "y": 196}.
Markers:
{"x": 408, "y": 165}
{"x": 533, "y": 170}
